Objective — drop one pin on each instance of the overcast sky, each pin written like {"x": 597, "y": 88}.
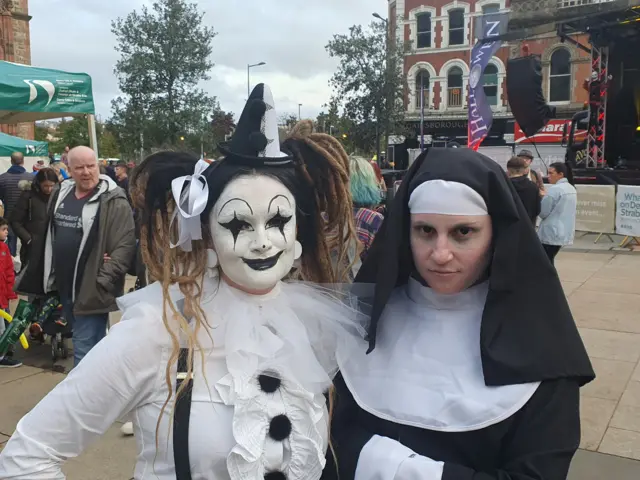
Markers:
{"x": 289, "y": 35}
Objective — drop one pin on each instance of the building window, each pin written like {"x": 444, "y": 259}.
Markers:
{"x": 454, "y": 87}
{"x": 456, "y": 27}
{"x": 492, "y": 8}
{"x": 490, "y": 82}
{"x": 424, "y": 30}
{"x": 422, "y": 88}
{"x": 560, "y": 76}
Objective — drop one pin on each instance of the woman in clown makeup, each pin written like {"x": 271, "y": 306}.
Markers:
{"x": 221, "y": 364}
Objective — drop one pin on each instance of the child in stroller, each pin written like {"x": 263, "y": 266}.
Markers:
{"x": 49, "y": 321}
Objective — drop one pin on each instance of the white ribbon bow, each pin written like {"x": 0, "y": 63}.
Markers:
{"x": 190, "y": 203}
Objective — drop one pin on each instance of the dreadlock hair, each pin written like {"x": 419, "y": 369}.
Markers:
{"x": 152, "y": 198}
{"x": 322, "y": 160}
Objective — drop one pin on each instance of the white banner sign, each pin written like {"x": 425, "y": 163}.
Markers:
{"x": 628, "y": 210}
{"x": 596, "y": 208}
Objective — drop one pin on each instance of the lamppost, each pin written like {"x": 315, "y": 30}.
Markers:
{"x": 249, "y": 67}
{"x": 388, "y": 94}
{"x": 299, "y": 107}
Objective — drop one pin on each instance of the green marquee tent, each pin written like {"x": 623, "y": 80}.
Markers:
{"x": 29, "y": 148}
{"x": 30, "y": 93}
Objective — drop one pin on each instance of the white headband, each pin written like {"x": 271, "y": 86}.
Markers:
{"x": 447, "y": 198}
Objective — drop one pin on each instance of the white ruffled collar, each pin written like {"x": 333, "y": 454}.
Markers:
{"x": 293, "y": 333}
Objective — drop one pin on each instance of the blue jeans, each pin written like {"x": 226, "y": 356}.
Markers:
{"x": 88, "y": 330}
{"x": 12, "y": 243}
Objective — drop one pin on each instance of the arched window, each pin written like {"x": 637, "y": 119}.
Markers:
{"x": 491, "y": 8}
{"x": 424, "y": 30}
{"x": 422, "y": 88}
{"x": 456, "y": 27}
{"x": 490, "y": 82}
{"x": 560, "y": 76}
{"x": 454, "y": 87}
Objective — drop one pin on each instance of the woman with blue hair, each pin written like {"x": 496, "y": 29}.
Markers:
{"x": 366, "y": 193}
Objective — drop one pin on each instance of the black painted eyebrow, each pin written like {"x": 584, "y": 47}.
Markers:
{"x": 236, "y": 199}
{"x": 274, "y": 198}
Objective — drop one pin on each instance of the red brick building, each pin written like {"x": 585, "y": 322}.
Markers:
{"x": 440, "y": 35}
{"x": 15, "y": 46}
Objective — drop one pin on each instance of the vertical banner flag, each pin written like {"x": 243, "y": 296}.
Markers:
{"x": 480, "y": 116}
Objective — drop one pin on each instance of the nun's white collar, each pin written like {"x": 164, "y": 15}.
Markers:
{"x": 426, "y": 369}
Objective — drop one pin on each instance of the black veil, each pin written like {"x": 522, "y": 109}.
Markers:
{"x": 528, "y": 333}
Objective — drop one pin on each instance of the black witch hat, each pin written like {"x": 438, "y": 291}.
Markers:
{"x": 528, "y": 333}
{"x": 256, "y": 141}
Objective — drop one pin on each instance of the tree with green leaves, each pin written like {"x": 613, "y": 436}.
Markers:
{"x": 369, "y": 83}
{"x": 75, "y": 132}
{"x": 165, "y": 53}
{"x": 41, "y": 133}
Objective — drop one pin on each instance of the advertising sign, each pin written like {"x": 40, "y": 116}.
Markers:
{"x": 480, "y": 114}
{"x": 596, "y": 208}
{"x": 550, "y": 133}
{"x": 628, "y": 210}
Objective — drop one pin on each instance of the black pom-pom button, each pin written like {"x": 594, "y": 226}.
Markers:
{"x": 275, "y": 476}
{"x": 269, "y": 383}
{"x": 279, "y": 428}
{"x": 258, "y": 141}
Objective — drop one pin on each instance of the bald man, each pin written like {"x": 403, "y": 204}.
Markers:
{"x": 89, "y": 247}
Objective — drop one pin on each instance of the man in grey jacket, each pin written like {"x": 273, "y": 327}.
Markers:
{"x": 90, "y": 245}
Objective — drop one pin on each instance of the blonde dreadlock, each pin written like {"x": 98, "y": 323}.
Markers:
{"x": 170, "y": 266}
{"x": 324, "y": 164}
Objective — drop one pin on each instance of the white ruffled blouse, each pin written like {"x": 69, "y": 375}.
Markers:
{"x": 257, "y": 404}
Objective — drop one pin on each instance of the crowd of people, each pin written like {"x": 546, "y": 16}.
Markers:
{"x": 295, "y": 329}
{"x": 77, "y": 241}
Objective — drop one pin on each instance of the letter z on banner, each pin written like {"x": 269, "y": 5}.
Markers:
{"x": 480, "y": 115}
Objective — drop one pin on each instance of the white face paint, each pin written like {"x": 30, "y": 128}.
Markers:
{"x": 253, "y": 227}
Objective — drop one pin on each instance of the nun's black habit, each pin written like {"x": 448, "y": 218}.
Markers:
{"x": 520, "y": 419}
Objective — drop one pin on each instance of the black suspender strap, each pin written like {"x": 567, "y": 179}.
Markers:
{"x": 181, "y": 419}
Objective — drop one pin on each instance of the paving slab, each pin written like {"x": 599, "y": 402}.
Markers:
{"x": 21, "y": 395}
{"x": 11, "y": 374}
{"x": 597, "y": 466}
{"x": 599, "y": 283}
{"x": 611, "y": 345}
{"x": 595, "y": 415}
{"x": 605, "y": 310}
{"x": 114, "y": 453}
{"x": 623, "y": 443}
{"x": 612, "y": 378}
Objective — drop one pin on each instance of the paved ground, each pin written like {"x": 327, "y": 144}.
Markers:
{"x": 604, "y": 291}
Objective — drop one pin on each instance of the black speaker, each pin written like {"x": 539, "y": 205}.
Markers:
{"x": 524, "y": 90}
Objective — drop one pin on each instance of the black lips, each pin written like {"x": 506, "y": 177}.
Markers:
{"x": 261, "y": 264}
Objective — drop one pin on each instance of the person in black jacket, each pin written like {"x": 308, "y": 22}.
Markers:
{"x": 29, "y": 217}
{"x": 527, "y": 190}
{"x": 10, "y": 192}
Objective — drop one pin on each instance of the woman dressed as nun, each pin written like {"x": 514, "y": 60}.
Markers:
{"x": 475, "y": 361}
{"x": 222, "y": 366}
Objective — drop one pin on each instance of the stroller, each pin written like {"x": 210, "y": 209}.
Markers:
{"x": 49, "y": 322}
